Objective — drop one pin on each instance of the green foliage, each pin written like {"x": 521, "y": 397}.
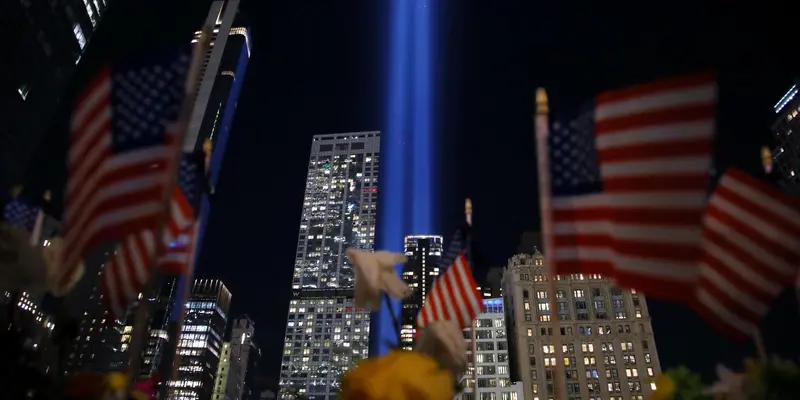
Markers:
{"x": 688, "y": 385}
{"x": 776, "y": 380}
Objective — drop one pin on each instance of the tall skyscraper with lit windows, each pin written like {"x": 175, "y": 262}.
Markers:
{"x": 201, "y": 341}
{"x": 419, "y": 273}
{"x": 325, "y": 333}
{"x": 607, "y": 338}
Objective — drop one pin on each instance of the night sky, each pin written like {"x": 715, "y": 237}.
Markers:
{"x": 319, "y": 67}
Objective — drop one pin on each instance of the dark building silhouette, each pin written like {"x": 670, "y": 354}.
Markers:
{"x": 43, "y": 43}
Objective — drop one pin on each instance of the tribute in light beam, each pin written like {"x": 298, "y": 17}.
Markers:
{"x": 405, "y": 198}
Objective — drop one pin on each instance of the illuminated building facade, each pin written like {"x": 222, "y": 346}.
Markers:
{"x": 44, "y": 41}
{"x": 786, "y": 128}
{"x": 491, "y": 345}
{"x": 419, "y": 272}
{"x": 223, "y": 370}
{"x": 325, "y": 333}
{"x": 201, "y": 343}
{"x": 607, "y": 339}
{"x": 224, "y": 67}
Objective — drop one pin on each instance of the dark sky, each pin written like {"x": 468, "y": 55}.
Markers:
{"x": 319, "y": 67}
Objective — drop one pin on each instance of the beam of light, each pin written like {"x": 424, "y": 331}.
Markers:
{"x": 422, "y": 163}
{"x": 405, "y": 194}
{"x": 392, "y": 185}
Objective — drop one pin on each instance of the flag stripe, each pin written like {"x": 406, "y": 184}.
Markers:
{"x": 750, "y": 253}
{"x": 652, "y": 145}
{"x": 133, "y": 254}
{"x": 454, "y": 296}
{"x": 120, "y": 148}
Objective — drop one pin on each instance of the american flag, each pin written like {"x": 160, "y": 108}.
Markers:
{"x": 629, "y": 182}
{"x": 20, "y": 213}
{"x": 454, "y": 296}
{"x": 751, "y": 243}
{"x": 120, "y": 150}
{"x": 130, "y": 266}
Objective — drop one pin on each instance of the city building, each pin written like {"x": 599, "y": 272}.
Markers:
{"x": 420, "y": 271}
{"x": 221, "y": 77}
{"x": 223, "y": 370}
{"x": 491, "y": 350}
{"x": 606, "y": 334}
{"x": 325, "y": 333}
{"x": 786, "y": 153}
{"x": 43, "y": 40}
{"x": 201, "y": 343}
{"x": 244, "y": 357}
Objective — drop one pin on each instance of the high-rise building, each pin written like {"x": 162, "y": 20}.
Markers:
{"x": 491, "y": 350}
{"x": 786, "y": 153}
{"x": 200, "y": 343}
{"x": 419, "y": 273}
{"x": 221, "y": 76}
{"x": 325, "y": 333}
{"x": 606, "y": 334}
{"x": 244, "y": 355}
{"x": 223, "y": 370}
{"x": 43, "y": 41}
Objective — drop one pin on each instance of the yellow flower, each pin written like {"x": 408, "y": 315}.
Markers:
{"x": 117, "y": 381}
{"x": 665, "y": 388}
{"x": 752, "y": 369}
{"x": 398, "y": 375}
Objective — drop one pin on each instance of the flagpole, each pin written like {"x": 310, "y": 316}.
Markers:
{"x": 474, "y": 323}
{"x": 545, "y": 195}
{"x": 140, "y": 328}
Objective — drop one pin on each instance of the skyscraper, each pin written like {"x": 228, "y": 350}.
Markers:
{"x": 786, "y": 152}
{"x": 419, "y": 272}
{"x": 492, "y": 357}
{"x": 43, "y": 41}
{"x": 244, "y": 355}
{"x": 200, "y": 341}
{"x": 606, "y": 334}
{"x": 325, "y": 333}
{"x": 221, "y": 77}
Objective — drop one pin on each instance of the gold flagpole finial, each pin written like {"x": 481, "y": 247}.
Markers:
{"x": 208, "y": 146}
{"x": 16, "y": 190}
{"x": 468, "y": 210}
{"x": 542, "y": 106}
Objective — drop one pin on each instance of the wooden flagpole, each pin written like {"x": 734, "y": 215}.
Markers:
{"x": 542, "y": 121}
{"x": 474, "y": 327}
{"x": 140, "y": 327}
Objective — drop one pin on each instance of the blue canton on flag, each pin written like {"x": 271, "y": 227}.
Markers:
{"x": 145, "y": 100}
{"x": 457, "y": 246}
{"x": 574, "y": 164}
{"x": 191, "y": 178}
{"x": 20, "y": 214}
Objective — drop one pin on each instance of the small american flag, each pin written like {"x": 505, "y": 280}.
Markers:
{"x": 129, "y": 268}
{"x": 454, "y": 297}
{"x": 120, "y": 149}
{"x": 751, "y": 243}
{"x": 21, "y": 214}
{"x": 629, "y": 182}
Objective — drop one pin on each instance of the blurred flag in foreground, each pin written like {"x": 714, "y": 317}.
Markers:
{"x": 130, "y": 266}
{"x": 120, "y": 151}
{"x": 20, "y": 213}
{"x": 629, "y": 181}
{"x": 751, "y": 243}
